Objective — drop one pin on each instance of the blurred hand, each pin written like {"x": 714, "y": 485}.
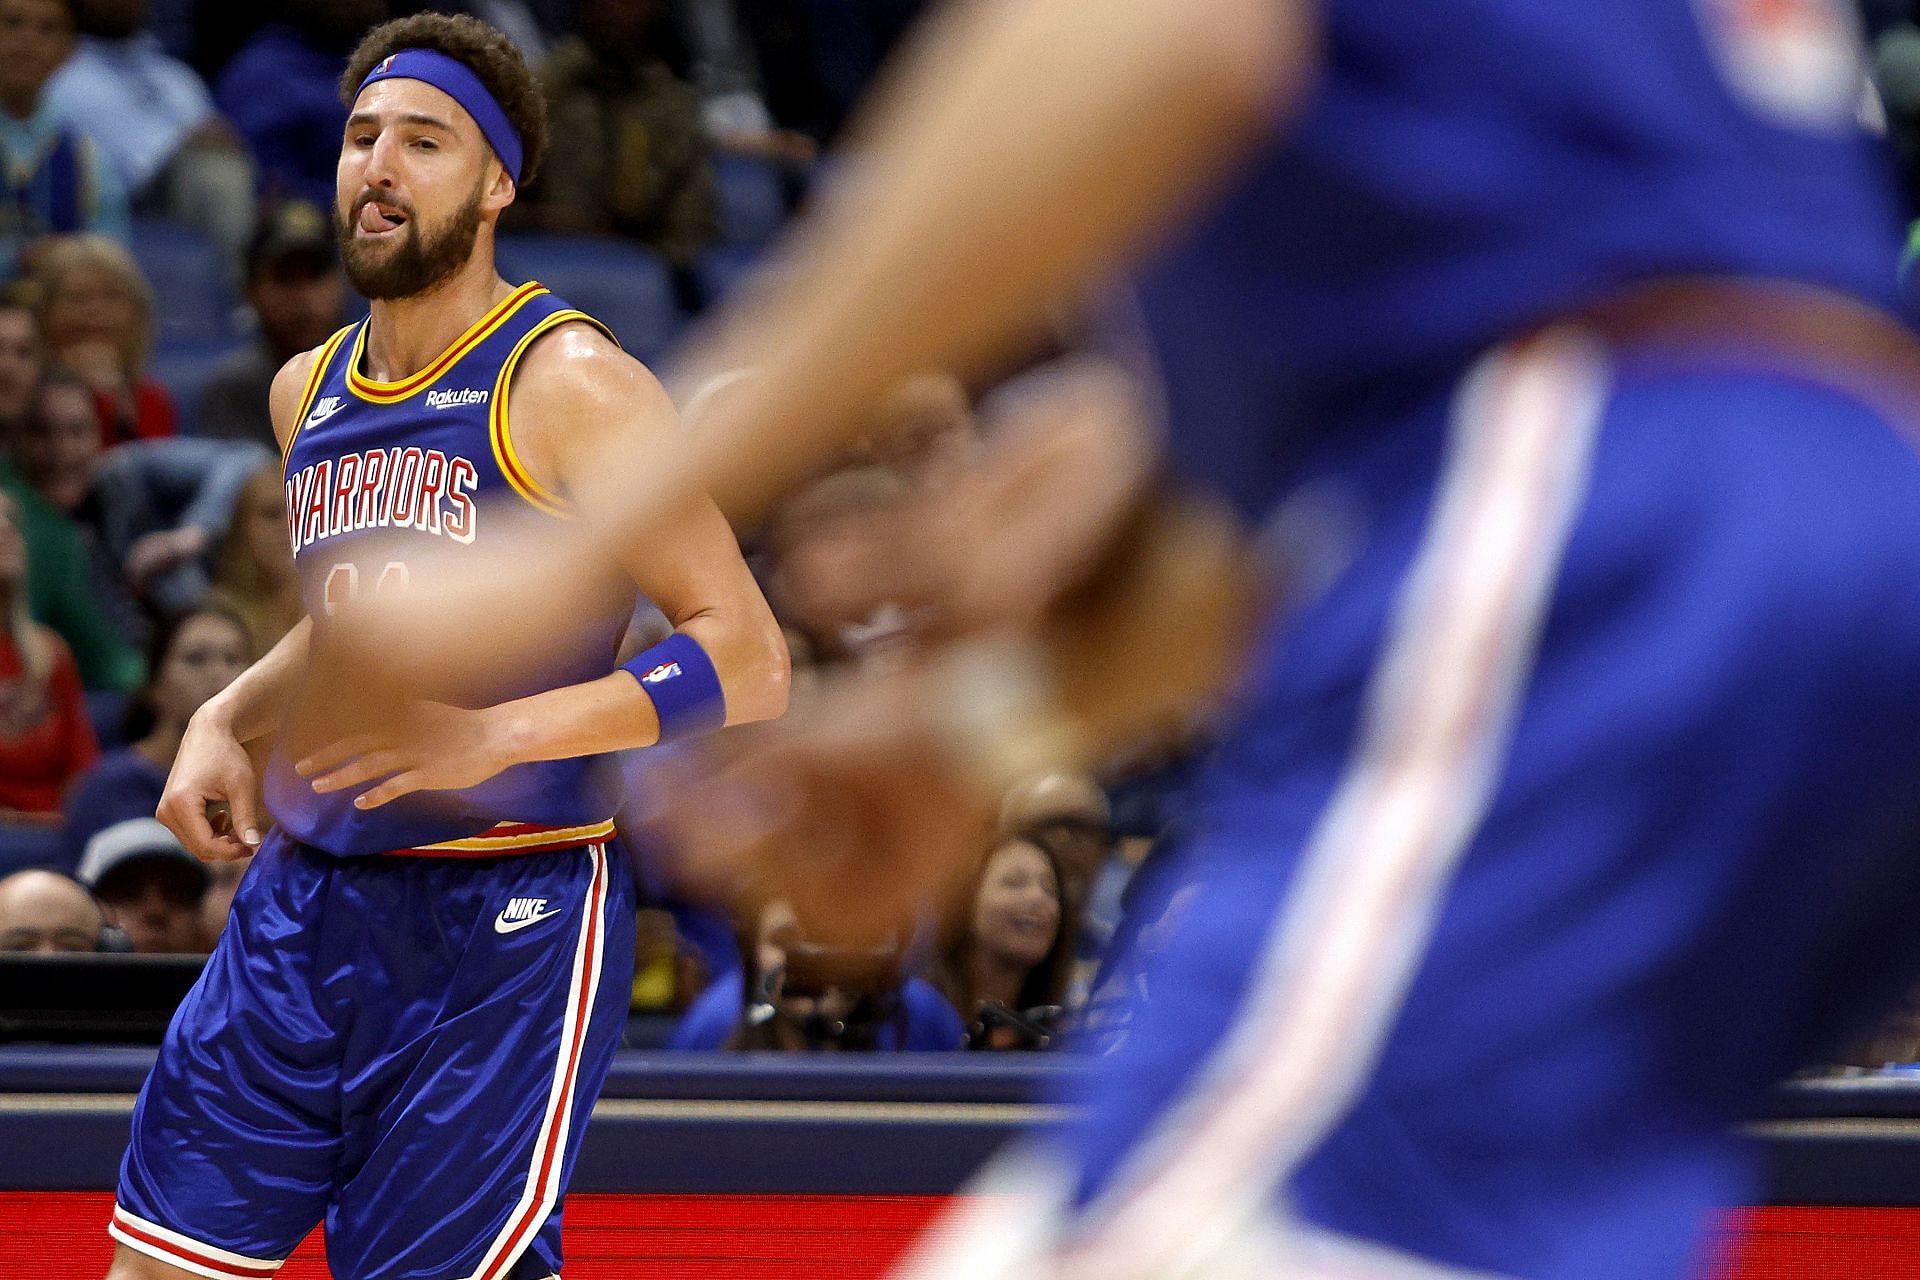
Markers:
{"x": 429, "y": 746}
{"x": 850, "y": 808}
{"x": 211, "y": 801}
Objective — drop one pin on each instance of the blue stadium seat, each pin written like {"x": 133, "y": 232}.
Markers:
{"x": 22, "y": 847}
{"x": 752, "y": 206}
{"x": 184, "y": 365}
{"x": 107, "y": 709}
{"x": 194, "y": 299}
{"x": 623, "y": 285}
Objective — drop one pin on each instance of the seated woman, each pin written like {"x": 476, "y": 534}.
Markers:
{"x": 193, "y": 659}
{"x": 46, "y": 739}
{"x": 1009, "y": 957}
{"x": 96, "y": 318}
{"x": 253, "y": 574}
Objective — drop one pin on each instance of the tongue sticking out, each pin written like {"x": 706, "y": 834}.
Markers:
{"x": 372, "y": 219}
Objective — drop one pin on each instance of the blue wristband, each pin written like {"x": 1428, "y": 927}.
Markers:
{"x": 679, "y": 676}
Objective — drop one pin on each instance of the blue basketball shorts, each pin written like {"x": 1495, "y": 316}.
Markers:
{"x": 1573, "y": 809}
{"x": 404, "y": 1048}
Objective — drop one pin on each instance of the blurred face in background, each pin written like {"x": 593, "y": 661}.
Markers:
{"x": 262, "y": 522}
{"x": 37, "y": 36}
{"x": 619, "y": 30}
{"x": 19, "y": 362}
{"x": 207, "y": 652}
{"x": 92, "y": 304}
{"x": 298, "y": 301}
{"x": 155, "y": 901}
{"x": 13, "y": 549}
{"x": 1016, "y": 913}
{"x": 55, "y": 447}
{"x": 47, "y": 913}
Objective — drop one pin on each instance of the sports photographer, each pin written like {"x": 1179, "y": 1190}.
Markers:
{"x": 792, "y": 995}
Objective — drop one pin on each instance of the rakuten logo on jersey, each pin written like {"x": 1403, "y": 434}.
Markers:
{"x": 402, "y": 488}
{"x": 454, "y": 399}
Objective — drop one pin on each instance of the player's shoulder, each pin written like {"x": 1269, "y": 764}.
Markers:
{"x": 577, "y": 364}
{"x": 290, "y": 384}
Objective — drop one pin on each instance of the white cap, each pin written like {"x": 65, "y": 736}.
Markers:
{"x": 124, "y": 841}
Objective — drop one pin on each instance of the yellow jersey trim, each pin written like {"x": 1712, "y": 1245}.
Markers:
{"x": 315, "y": 376}
{"x": 518, "y": 837}
{"x": 500, "y": 433}
{"x": 394, "y": 392}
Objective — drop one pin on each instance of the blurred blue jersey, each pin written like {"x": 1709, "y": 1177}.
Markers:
{"x": 376, "y": 469}
{"x": 1464, "y": 171}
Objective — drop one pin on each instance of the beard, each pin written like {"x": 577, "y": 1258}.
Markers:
{"x": 417, "y": 262}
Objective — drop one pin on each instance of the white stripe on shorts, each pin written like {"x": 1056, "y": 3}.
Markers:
{"x": 542, "y": 1190}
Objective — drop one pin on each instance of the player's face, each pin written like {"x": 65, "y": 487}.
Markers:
{"x": 415, "y": 182}
{"x": 1017, "y": 912}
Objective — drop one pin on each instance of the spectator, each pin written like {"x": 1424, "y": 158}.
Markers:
{"x": 152, "y": 118}
{"x": 636, "y": 162}
{"x": 728, "y": 75}
{"x": 96, "y": 319}
{"x": 892, "y": 1013}
{"x": 254, "y": 575}
{"x": 154, "y": 508}
{"x": 48, "y": 913}
{"x": 282, "y": 91}
{"x": 148, "y": 884}
{"x": 59, "y": 593}
{"x": 53, "y": 181}
{"x": 19, "y": 361}
{"x": 46, "y": 740}
{"x": 1008, "y": 962}
{"x": 1069, "y": 814}
{"x": 193, "y": 659}
{"x": 298, "y": 294}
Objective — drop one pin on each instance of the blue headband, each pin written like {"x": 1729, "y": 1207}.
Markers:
{"x": 455, "y": 79}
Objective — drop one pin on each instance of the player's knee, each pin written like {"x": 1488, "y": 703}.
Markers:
{"x": 130, "y": 1265}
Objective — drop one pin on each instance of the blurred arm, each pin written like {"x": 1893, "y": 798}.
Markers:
{"x": 1031, "y": 145}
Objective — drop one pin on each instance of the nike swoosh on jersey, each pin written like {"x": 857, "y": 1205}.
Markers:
{"x": 503, "y": 925}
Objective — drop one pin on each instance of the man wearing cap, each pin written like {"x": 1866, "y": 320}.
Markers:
{"x": 298, "y": 295}
{"x": 418, "y": 992}
{"x": 148, "y": 885}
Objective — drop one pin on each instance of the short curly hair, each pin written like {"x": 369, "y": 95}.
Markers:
{"x": 487, "y": 53}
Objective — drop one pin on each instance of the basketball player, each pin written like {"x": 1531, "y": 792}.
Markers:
{"x": 1571, "y": 807}
{"x": 404, "y": 1027}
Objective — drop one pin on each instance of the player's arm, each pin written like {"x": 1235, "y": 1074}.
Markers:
{"x": 212, "y": 769}
{"x": 1032, "y": 146}
{"x": 576, "y": 397}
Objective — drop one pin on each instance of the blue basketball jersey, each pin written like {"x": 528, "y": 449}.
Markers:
{"x": 375, "y": 468}
{"x": 1460, "y": 172}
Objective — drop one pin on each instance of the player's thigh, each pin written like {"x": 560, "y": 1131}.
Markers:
{"x": 475, "y": 1137}
{"x": 235, "y": 1134}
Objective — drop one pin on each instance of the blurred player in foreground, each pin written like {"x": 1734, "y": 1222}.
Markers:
{"x": 1565, "y": 806}
{"x": 406, "y": 1022}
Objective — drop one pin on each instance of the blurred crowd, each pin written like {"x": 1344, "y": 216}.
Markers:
{"x": 166, "y": 244}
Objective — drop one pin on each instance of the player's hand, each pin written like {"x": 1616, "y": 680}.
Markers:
{"x": 429, "y": 746}
{"x": 849, "y": 808}
{"x": 211, "y": 801}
